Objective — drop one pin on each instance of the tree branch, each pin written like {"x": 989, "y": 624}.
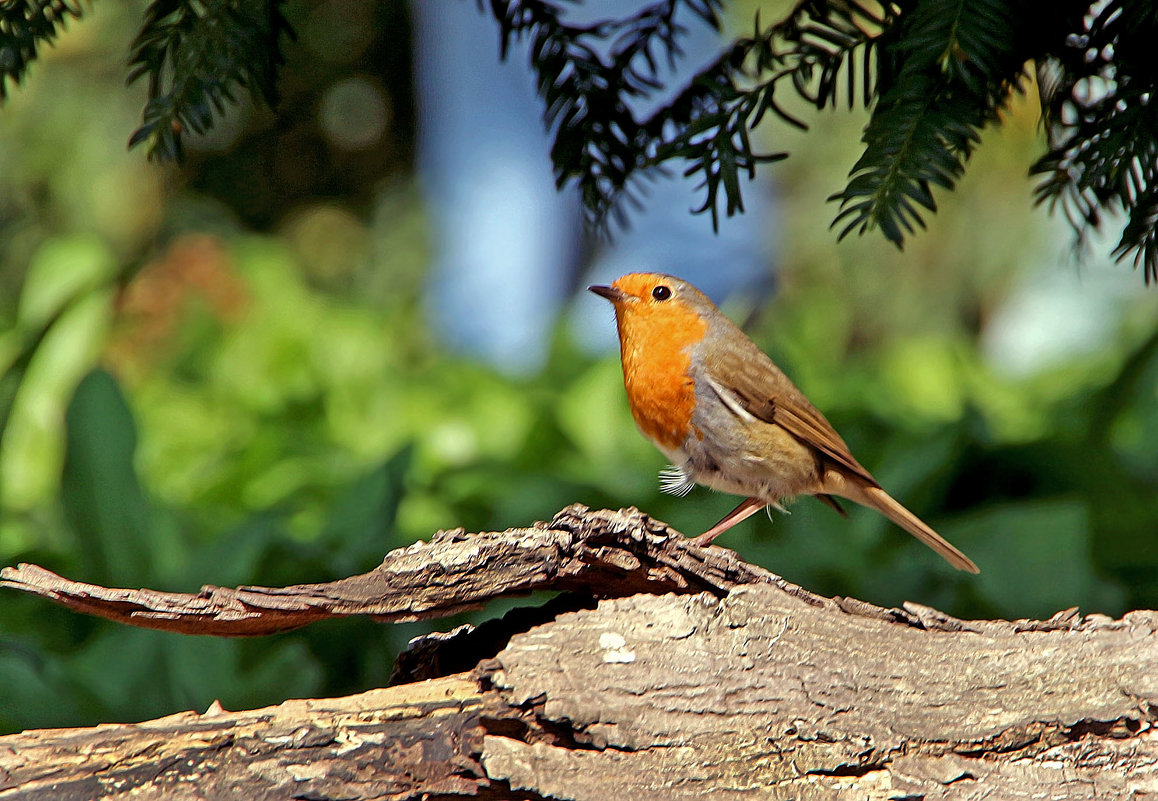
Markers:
{"x": 602, "y": 553}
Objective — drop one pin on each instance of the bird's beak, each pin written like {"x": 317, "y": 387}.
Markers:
{"x": 611, "y": 293}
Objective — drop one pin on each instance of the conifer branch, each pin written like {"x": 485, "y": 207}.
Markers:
{"x": 933, "y": 73}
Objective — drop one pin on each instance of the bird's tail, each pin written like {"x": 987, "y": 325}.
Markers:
{"x": 874, "y": 497}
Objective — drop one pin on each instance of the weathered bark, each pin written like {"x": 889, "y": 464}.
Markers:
{"x": 600, "y": 553}
{"x": 759, "y": 690}
{"x": 397, "y": 742}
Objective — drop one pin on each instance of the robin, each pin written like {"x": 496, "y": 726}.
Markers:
{"x": 728, "y": 418}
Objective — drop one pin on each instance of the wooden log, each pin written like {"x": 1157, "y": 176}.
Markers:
{"x": 734, "y": 684}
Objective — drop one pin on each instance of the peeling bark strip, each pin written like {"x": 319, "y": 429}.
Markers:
{"x": 761, "y": 694}
{"x": 602, "y": 553}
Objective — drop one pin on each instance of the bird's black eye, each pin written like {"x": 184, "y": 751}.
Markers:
{"x": 661, "y": 292}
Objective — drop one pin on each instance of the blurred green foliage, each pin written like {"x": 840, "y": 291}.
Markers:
{"x": 194, "y": 392}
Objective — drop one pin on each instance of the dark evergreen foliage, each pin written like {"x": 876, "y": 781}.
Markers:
{"x": 24, "y": 26}
{"x": 194, "y": 53}
{"x": 1101, "y": 114}
{"x": 933, "y": 73}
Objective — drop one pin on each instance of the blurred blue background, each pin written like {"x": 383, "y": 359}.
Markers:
{"x": 224, "y": 373}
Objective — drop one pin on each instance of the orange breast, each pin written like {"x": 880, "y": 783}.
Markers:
{"x": 654, "y": 344}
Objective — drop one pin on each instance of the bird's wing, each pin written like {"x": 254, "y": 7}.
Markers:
{"x": 809, "y": 426}
{"x": 761, "y": 389}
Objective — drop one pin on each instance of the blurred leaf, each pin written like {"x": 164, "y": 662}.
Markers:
{"x": 30, "y": 677}
{"x": 235, "y": 557}
{"x": 11, "y": 349}
{"x": 612, "y": 455}
{"x": 199, "y": 670}
{"x": 102, "y": 498}
{"x": 907, "y": 464}
{"x": 1035, "y": 557}
{"x": 284, "y": 669}
{"x": 360, "y": 526}
{"x": 122, "y": 671}
{"x": 130, "y": 674}
{"x": 593, "y": 409}
{"x": 925, "y": 376}
{"x": 32, "y": 444}
{"x": 62, "y": 270}
{"x": 1129, "y": 409}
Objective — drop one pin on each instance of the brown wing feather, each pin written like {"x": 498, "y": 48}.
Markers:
{"x": 769, "y": 395}
{"x": 810, "y": 427}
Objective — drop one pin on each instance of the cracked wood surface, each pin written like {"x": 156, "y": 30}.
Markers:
{"x": 734, "y": 683}
{"x": 763, "y": 693}
{"x": 804, "y": 698}
{"x": 398, "y": 742}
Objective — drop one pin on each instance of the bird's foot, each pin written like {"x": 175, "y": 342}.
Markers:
{"x": 747, "y": 508}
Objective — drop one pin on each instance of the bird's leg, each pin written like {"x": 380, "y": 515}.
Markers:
{"x": 747, "y": 508}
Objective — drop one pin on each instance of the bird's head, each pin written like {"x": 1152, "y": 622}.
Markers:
{"x": 657, "y": 313}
